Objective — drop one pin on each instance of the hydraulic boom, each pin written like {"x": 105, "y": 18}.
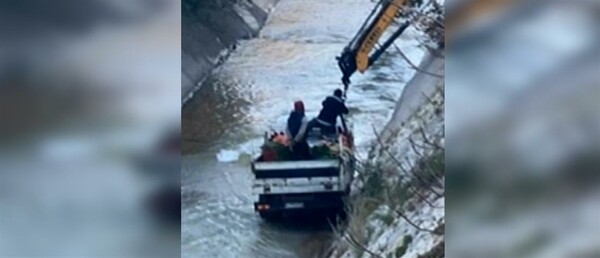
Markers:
{"x": 364, "y": 49}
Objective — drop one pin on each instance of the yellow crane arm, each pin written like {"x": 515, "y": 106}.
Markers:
{"x": 363, "y": 50}
{"x": 381, "y": 25}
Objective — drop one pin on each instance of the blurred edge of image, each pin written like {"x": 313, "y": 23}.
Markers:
{"x": 89, "y": 128}
{"x": 90, "y": 113}
{"x": 523, "y": 125}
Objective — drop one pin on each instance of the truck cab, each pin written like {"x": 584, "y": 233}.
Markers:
{"x": 320, "y": 184}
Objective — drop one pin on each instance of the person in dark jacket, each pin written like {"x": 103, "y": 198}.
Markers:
{"x": 333, "y": 106}
{"x": 297, "y": 125}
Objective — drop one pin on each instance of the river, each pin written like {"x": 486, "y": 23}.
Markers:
{"x": 252, "y": 92}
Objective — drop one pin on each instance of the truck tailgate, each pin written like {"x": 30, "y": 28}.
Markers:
{"x": 294, "y": 169}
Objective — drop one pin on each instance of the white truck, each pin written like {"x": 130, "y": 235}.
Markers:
{"x": 318, "y": 185}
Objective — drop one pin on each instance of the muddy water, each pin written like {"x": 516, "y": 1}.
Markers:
{"x": 294, "y": 58}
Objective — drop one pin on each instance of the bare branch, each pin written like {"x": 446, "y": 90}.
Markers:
{"x": 412, "y": 65}
{"x": 423, "y": 182}
{"x": 412, "y": 146}
{"x": 412, "y": 223}
{"x": 429, "y": 99}
{"x": 415, "y": 191}
{"x": 420, "y": 14}
{"x": 399, "y": 163}
{"x": 427, "y": 140}
{"x": 355, "y": 243}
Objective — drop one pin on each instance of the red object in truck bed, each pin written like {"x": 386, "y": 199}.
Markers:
{"x": 269, "y": 155}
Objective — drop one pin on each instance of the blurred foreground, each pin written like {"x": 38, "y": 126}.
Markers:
{"x": 523, "y": 125}
{"x": 89, "y": 131}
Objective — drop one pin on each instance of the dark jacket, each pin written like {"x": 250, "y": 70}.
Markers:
{"x": 296, "y": 126}
{"x": 332, "y": 108}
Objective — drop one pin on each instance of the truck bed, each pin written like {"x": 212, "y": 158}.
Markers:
{"x": 294, "y": 169}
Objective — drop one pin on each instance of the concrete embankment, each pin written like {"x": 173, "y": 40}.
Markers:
{"x": 418, "y": 91}
{"x": 210, "y": 29}
{"x": 402, "y": 222}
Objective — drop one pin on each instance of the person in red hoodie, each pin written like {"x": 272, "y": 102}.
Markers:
{"x": 297, "y": 125}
